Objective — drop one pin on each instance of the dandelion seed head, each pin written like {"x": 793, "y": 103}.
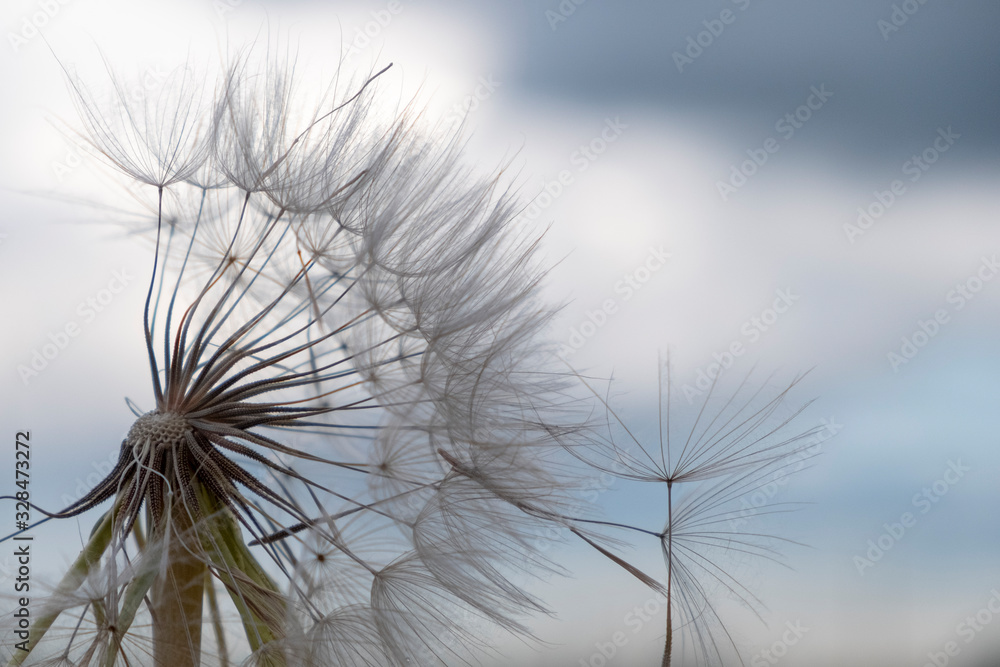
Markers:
{"x": 164, "y": 430}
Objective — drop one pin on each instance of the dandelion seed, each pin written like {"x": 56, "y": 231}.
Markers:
{"x": 159, "y": 140}
{"x": 730, "y": 450}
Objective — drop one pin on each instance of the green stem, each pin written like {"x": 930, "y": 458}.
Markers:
{"x": 257, "y": 599}
{"x": 177, "y": 595}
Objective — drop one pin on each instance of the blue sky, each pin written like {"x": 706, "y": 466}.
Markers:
{"x": 834, "y": 161}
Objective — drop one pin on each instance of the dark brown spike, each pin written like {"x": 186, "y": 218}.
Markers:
{"x": 104, "y": 489}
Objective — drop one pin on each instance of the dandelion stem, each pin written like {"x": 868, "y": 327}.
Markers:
{"x": 157, "y": 389}
{"x": 668, "y": 648}
{"x": 255, "y": 596}
{"x": 177, "y": 597}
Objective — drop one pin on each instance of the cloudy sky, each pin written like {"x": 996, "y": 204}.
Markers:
{"x": 792, "y": 185}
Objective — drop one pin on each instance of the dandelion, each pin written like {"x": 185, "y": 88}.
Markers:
{"x": 352, "y": 427}
{"x": 735, "y": 445}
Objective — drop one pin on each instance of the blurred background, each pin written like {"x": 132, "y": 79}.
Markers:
{"x": 792, "y": 185}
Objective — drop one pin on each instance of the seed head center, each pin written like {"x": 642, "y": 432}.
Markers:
{"x": 162, "y": 430}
